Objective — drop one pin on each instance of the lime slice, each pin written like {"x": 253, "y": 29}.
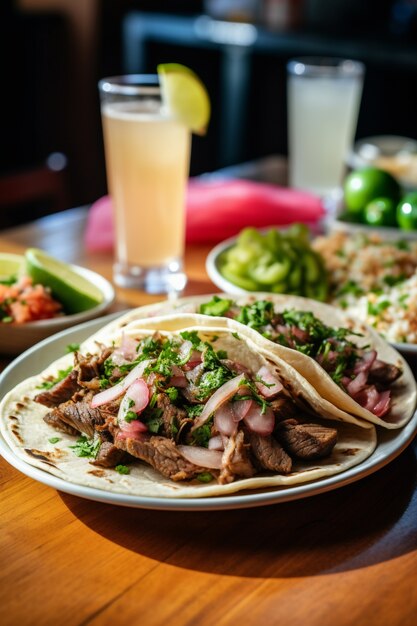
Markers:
{"x": 185, "y": 96}
{"x": 75, "y": 292}
{"x": 10, "y": 265}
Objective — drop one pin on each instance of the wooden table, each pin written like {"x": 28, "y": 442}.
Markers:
{"x": 345, "y": 557}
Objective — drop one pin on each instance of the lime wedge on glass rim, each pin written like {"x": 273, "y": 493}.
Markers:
{"x": 11, "y": 265}
{"x": 185, "y": 96}
{"x": 75, "y": 292}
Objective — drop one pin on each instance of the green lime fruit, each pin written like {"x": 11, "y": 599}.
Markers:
{"x": 11, "y": 266}
{"x": 75, "y": 292}
{"x": 185, "y": 96}
{"x": 381, "y": 212}
{"x": 407, "y": 212}
{"x": 362, "y": 186}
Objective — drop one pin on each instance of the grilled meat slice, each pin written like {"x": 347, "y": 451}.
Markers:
{"x": 54, "y": 418}
{"x": 383, "y": 374}
{"x": 235, "y": 460}
{"x": 162, "y": 454}
{"x": 270, "y": 454}
{"x": 283, "y": 408}
{"x": 173, "y": 417}
{"x": 86, "y": 374}
{"x": 306, "y": 441}
{"x": 110, "y": 455}
{"x": 89, "y": 367}
{"x": 83, "y": 418}
{"x": 60, "y": 392}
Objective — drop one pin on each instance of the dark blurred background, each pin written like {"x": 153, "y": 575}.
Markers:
{"x": 52, "y": 53}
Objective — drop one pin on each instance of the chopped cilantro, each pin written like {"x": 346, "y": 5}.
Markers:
{"x": 255, "y": 395}
{"x": 191, "y": 335}
{"x": 72, "y": 347}
{"x": 152, "y": 417}
{"x": 236, "y": 336}
{"x": 217, "y": 307}
{"x": 172, "y": 393}
{"x": 212, "y": 380}
{"x": 403, "y": 245}
{"x": 194, "y": 410}
{"x": 129, "y": 416}
{"x": 202, "y": 434}
{"x": 391, "y": 280}
{"x": 48, "y": 384}
{"x": 85, "y": 447}
{"x": 122, "y": 469}
{"x": 256, "y": 315}
{"x": 350, "y": 287}
{"x": 377, "y": 308}
{"x": 403, "y": 300}
{"x": 54, "y": 439}
{"x": 205, "y": 477}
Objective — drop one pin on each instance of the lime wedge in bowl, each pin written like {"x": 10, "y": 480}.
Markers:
{"x": 11, "y": 265}
{"x": 75, "y": 292}
{"x": 185, "y": 96}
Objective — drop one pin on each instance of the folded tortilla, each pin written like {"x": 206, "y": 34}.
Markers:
{"x": 33, "y": 440}
{"x": 403, "y": 391}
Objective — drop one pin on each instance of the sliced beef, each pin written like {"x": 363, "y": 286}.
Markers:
{"x": 86, "y": 373}
{"x": 89, "y": 368}
{"x": 283, "y": 408}
{"x": 82, "y": 417}
{"x": 60, "y": 392}
{"x": 54, "y": 418}
{"x": 235, "y": 460}
{"x": 110, "y": 455}
{"x": 270, "y": 454}
{"x": 162, "y": 454}
{"x": 306, "y": 441}
{"x": 173, "y": 417}
{"x": 383, "y": 374}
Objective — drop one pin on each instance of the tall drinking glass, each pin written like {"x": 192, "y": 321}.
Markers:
{"x": 147, "y": 161}
{"x": 323, "y": 104}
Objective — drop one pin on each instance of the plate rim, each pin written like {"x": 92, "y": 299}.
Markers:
{"x": 390, "y": 444}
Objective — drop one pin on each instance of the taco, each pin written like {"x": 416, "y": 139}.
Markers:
{"x": 194, "y": 412}
{"x": 347, "y": 362}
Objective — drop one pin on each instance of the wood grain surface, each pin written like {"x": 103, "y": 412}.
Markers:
{"x": 346, "y": 557}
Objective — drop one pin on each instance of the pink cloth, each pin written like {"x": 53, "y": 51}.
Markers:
{"x": 216, "y": 210}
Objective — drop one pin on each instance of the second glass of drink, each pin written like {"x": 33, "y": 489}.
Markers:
{"x": 147, "y": 162}
{"x": 324, "y": 95}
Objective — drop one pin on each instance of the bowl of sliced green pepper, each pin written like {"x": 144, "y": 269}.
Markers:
{"x": 278, "y": 261}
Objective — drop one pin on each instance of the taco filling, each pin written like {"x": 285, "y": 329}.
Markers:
{"x": 356, "y": 370}
{"x": 187, "y": 407}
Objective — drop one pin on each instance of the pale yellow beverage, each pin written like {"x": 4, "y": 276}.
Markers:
{"x": 147, "y": 161}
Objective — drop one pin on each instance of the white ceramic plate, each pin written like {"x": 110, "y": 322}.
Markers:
{"x": 16, "y": 338}
{"x": 212, "y": 267}
{"x": 390, "y": 445}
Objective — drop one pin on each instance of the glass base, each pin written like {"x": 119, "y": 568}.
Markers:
{"x": 169, "y": 279}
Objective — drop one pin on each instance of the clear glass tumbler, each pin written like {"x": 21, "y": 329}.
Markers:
{"x": 147, "y": 162}
{"x": 324, "y": 96}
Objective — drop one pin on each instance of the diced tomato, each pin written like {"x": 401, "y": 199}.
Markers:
{"x": 24, "y": 302}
